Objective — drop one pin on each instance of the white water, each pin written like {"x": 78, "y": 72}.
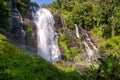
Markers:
{"x": 76, "y": 31}
{"x": 89, "y": 51}
{"x": 46, "y": 36}
{"x": 89, "y": 40}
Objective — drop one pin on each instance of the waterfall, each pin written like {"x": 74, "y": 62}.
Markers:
{"x": 89, "y": 40}
{"x": 46, "y": 36}
{"x": 89, "y": 51}
{"x": 76, "y": 31}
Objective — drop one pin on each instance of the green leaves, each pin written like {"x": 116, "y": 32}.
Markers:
{"x": 3, "y": 38}
{"x": 103, "y": 14}
{"x": 4, "y": 15}
{"x": 106, "y": 65}
{"x": 74, "y": 51}
{"x": 17, "y": 65}
{"x": 108, "y": 69}
{"x": 111, "y": 46}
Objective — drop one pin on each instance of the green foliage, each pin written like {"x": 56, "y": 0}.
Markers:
{"x": 73, "y": 75}
{"x": 111, "y": 46}
{"x": 28, "y": 30}
{"x": 97, "y": 31}
{"x": 63, "y": 41}
{"x": 116, "y": 21}
{"x": 84, "y": 14}
{"x": 23, "y": 6}
{"x": 81, "y": 58}
{"x": 17, "y": 65}
{"x": 63, "y": 37}
{"x": 34, "y": 4}
{"x": 68, "y": 52}
{"x": 4, "y": 15}
{"x": 109, "y": 69}
{"x": 3, "y": 38}
{"x": 100, "y": 14}
{"x": 23, "y": 11}
{"x": 97, "y": 15}
{"x": 74, "y": 51}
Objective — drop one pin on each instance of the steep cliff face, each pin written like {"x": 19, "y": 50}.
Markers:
{"x": 19, "y": 23}
{"x": 28, "y": 21}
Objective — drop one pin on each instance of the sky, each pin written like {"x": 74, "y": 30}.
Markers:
{"x": 40, "y": 2}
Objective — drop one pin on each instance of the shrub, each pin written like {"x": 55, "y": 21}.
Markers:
{"x": 97, "y": 31}
{"x": 108, "y": 69}
{"x": 111, "y": 46}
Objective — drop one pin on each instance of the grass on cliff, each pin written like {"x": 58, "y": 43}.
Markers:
{"x": 17, "y": 65}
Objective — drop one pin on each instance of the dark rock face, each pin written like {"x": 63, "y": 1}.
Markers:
{"x": 58, "y": 21}
{"x": 28, "y": 21}
{"x": 31, "y": 24}
{"x": 17, "y": 26}
{"x": 71, "y": 38}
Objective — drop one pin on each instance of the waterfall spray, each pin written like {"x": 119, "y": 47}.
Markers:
{"x": 46, "y": 36}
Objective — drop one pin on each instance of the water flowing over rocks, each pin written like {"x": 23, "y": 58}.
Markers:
{"x": 46, "y": 36}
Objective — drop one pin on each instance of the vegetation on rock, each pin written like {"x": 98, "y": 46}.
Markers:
{"x": 4, "y": 15}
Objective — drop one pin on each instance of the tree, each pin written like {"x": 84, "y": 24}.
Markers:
{"x": 22, "y": 6}
{"x": 82, "y": 14}
{"x": 4, "y": 15}
{"x": 115, "y": 25}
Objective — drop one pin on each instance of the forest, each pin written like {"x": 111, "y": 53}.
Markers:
{"x": 99, "y": 18}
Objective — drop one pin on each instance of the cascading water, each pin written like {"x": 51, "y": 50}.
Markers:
{"x": 89, "y": 51}
{"x": 76, "y": 31}
{"x": 46, "y": 36}
{"x": 86, "y": 43}
{"x": 89, "y": 40}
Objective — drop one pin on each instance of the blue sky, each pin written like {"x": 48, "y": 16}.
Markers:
{"x": 40, "y": 2}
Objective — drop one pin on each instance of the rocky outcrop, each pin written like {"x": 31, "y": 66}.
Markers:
{"x": 16, "y": 24}
{"x": 29, "y": 23}
{"x": 20, "y": 23}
